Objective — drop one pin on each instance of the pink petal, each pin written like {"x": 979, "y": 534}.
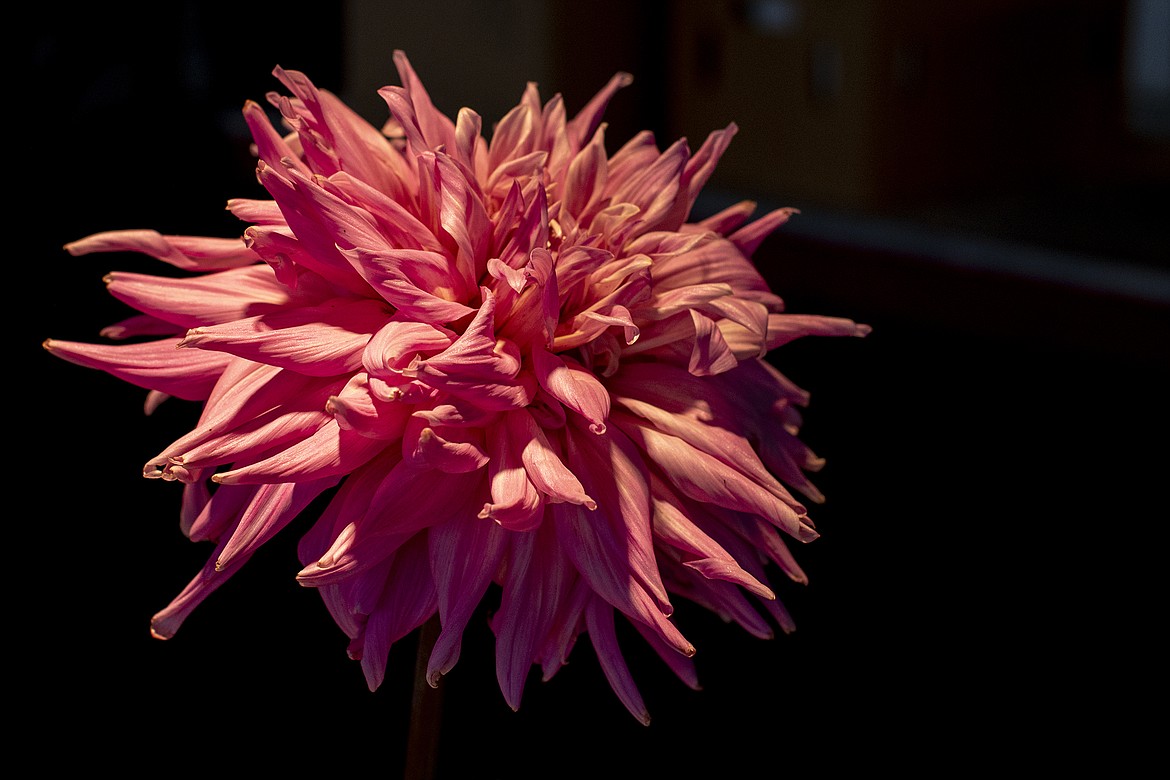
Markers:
{"x": 542, "y": 463}
{"x": 696, "y": 549}
{"x": 319, "y": 252}
{"x": 748, "y": 238}
{"x": 653, "y": 189}
{"x": 203, "y": 300}
{"x": 710, "y": 353}
{"x": 400, "y": 341}
{"x": 394, "y": 285}
{"x": 477, "y": 366}
{"x": 408, "y": 599}
{"x": 783, "y": 328}
{"x": 514, "y": 136}
{"x": 599, "y": 619}
{"x": 166, "y": 622}
{"x": 465, "y": 554}
{"x": 191, "y": 253}
{"x": 515, "y": 503}
{"x": 220, "y": 513}
{"x": 584, "y": 184}
{"x": 257, "y": 212}
{"x": 730, "y": 218}
{"x": 323, "y": 340}
{"x": 569, "y": 620}
{"x": 532, "y": 318}
{"x": 254, "y": 440}
{"x": 251, "y": 418}
{"x": 355, "y": 408}
{"x": 155, "y": 365}
{"x": 717, "y": 440}
{"x": 272, "y": 509}
{"x": 517, "y": 623}
{"x": 396, "y": 222}
{"x": 436, "y": 128}
{"x": 574, "y": 386}
{"x": 271, "y": 146}
{"x": 140, "y": 325}
{"x": 464, "y": 218}
{"x": 706, "y": 479}
{"x": 585, "y": 123}
{"x": 453, "y": 450}
{"x": 697, "y": 172}
{"x": 328, "y": 452}
{"x": 196, "y": 497}
{"x": 530, "y": 232}
{"x": 293, "y": 265}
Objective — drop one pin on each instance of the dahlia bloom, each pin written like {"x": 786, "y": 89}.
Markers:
{"x": 510, "y": 369}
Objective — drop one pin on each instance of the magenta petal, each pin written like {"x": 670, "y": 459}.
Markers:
{"x": 599, "y": 619}
{"x": 465, "y": 554}
{"x": 696, "y": 549}
{"x": 516, "y": 623}
{"x": 408, "y": 600}
{"x": 272, "y": 509}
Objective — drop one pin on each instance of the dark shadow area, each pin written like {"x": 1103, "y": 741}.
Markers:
{"x": 974, "y": 184}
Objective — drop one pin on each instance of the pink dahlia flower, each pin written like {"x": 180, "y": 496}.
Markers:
{"x": 507, "y": 367}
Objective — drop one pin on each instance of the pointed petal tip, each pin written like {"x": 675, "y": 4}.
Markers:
{"x": 805, "y": 532}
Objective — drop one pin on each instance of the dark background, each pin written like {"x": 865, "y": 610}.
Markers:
{"x": 985, "y": 186}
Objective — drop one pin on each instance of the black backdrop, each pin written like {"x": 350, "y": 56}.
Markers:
{"x": 981, "y": 586}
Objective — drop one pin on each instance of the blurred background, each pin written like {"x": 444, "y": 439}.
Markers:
{"x": 985, "y": 182}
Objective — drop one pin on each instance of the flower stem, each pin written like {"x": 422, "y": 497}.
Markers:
{"x": 422, "y": 747}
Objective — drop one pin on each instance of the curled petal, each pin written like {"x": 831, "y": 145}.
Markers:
{"x": 356, "y": 408}
{"x": 542, "y": 464}
{"x": 400, "y": 341}
{"x": 515, "y": 503}
{"x": 696, "y": 549}
{"x": 477, "y": 366}
{"x": 574, "y": 386}
{"x": 454, "y": 450}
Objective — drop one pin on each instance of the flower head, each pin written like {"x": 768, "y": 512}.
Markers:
{"x": 510, "y": 369}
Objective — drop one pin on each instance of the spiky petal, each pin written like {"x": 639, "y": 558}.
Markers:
{"x": 506, "y": 364}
